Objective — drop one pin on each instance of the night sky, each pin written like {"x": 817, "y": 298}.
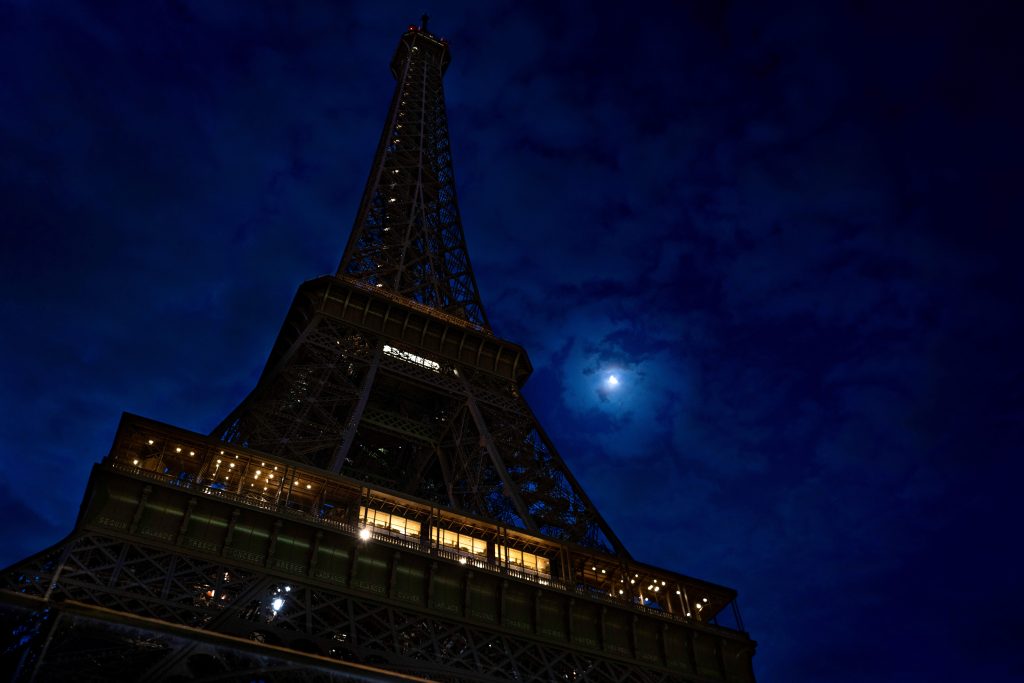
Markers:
{"x": 792, "y": 232}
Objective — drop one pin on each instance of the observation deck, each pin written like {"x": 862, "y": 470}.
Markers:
{"x": 305, "y": 527}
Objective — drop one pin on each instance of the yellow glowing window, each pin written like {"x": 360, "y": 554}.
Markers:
{"x": 462, "y": 542}
{"x": 412, "y": 357}
{"x": 389, "y": 522}
{"x": 517, "y": 559}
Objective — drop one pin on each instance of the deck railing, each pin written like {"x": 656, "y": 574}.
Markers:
{"x": 260, "y": 502}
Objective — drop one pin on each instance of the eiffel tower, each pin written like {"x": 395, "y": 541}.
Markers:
{"x": 382, "y": 506}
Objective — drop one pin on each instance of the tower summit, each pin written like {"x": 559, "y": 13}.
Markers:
{"x": 383, "y": 501}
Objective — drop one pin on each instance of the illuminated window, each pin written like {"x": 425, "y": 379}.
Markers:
{"x": 517, "y": 559}
{"x": 389, "y": 522}
{"x": 463, "y": 542}
{"x": 412, "y": 358}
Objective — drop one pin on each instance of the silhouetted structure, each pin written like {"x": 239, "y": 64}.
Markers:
{"x": 383, "y": 501}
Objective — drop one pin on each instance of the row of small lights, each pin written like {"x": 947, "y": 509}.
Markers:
{"x": 416, "y": 29}
{"x": 652, "y": 587}
{"x": 364, "y": 533}
{"x": 231, "y": 466}
{"x": 176, "y": 450}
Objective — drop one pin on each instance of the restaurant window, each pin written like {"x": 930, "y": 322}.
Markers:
{"x": 463, "y": 542}
{"x": 389, "y": 522}
{"x": 518, "y": 559}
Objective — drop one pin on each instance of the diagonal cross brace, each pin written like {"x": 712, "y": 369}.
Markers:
{"x": 341, "y": 452}
{"x": 499, "y": 465}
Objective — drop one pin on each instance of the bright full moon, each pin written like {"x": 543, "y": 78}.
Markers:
{"x": 613, "y": 381}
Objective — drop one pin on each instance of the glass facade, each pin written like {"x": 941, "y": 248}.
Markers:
{"x": 389, "y": 522}
{"x": 517, "y": 559}
{"x": 463, "y": 542}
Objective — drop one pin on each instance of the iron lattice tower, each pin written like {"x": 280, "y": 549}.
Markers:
{"x": 348, "y": 399}
{"x": 383, "y": 501}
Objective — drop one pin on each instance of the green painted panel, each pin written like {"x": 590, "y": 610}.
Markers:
{"x": 333, "y": 559}
{"x": 250, "y": 538}
{"x": 483, "y": 599}
{"x": 519, "y": 600}
{"x": 371, "y": 573}
{"x": 586, "y": 625}
{"x": 447, "y": 592}
{"x": 677, "y": 646}
{"x": 410, "y": 581}
{"x": 553, "y": 617}
{"x": 617, "y": 633}
{"x": 706, "y": 655}
{"x": 648, "y": 648}
{"x": 162, "y": 515}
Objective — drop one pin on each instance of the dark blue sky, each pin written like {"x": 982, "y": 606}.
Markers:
{"x": 793, "y": 232}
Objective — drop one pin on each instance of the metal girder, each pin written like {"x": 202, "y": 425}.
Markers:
{"x": 300, "y": 410}
{"x": 509, "y": 488}
{"x": 357, "y": 414}
{"x": 76, "y": 641}
{"x": 459, "y": 635}
{"x": 399, "y": 420}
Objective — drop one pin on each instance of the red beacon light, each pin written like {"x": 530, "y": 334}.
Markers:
{"x": 413, "y": 28}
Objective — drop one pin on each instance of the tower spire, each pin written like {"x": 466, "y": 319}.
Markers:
{"x": 407, "y": 238}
